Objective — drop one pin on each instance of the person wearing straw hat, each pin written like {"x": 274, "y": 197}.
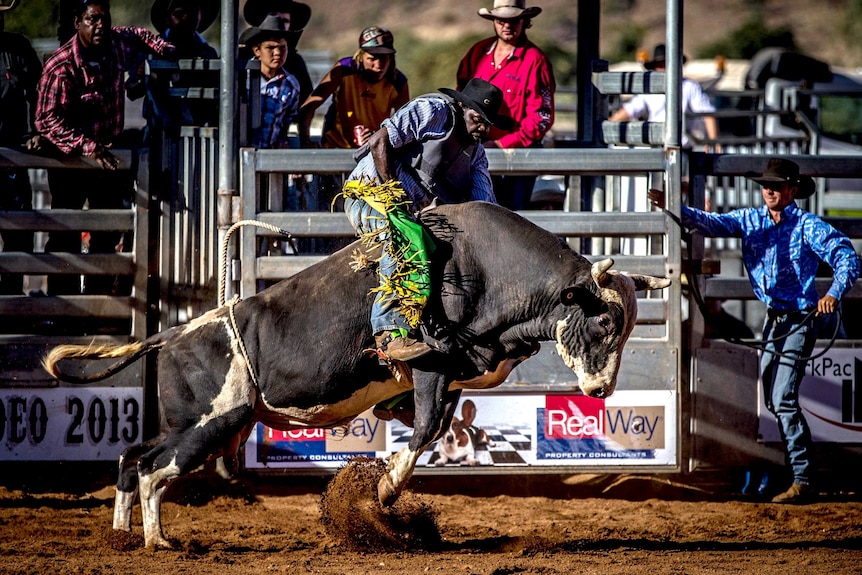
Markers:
{"x": 510, "y": 61}
{"x": 428, "y": 152}
{"x": 782, "y": 247}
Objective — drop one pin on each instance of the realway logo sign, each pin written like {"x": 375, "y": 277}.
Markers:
{"x": 623, "y": 427}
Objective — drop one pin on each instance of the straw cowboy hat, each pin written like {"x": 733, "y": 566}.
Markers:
{"x": 507, "y": 9}
{"x": 781, "y": 170}
{"x": 484, "y": 98}
{"x": 255, "y": 11}
{"x": 160, "y": 9}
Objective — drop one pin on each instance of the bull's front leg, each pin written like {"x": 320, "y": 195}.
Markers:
{"x": 434, "y": 407}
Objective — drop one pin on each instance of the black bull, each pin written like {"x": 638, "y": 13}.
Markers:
{"x": 295, "y": 355}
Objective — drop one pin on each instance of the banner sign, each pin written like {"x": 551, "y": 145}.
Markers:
{"x": 504, "y": 430}
{"x": 69, "y": 423}
{"x": 830, "y": 397}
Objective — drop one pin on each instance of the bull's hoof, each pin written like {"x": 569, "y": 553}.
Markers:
{"x": 386, "y": 492}
{"x": 159, "y": 543}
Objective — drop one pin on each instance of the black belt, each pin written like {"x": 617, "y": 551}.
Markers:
{"x": 773, "y": 313}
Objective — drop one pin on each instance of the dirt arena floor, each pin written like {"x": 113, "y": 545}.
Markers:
{"x": 57, "y": 520}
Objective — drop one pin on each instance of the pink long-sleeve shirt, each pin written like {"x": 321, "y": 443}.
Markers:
{"x": 527, "y": 82}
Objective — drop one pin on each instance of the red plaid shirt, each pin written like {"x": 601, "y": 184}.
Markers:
{"x": 81, "y": 104}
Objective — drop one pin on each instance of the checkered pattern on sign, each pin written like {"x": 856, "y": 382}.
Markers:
{"x": 512, "y": 446}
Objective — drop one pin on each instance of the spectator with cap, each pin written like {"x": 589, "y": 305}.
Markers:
{"x": 428, "y": 152}
{"x": 365, "y": 90}
{"x": 510, "y": 61}
{"x": 294, "y": 17}
{"x": 782, "y": 247}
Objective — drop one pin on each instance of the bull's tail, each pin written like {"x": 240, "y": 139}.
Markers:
{"x": 130, "y": 353}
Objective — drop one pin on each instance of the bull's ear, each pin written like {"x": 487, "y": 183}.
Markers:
{"x": 643, "y": 282}
{"x": 571, "y": 295}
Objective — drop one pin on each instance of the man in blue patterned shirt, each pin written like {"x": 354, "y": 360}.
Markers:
{"x": 782, "y": 246}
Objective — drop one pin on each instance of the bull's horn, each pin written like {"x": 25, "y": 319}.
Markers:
{"x": 598, "y": 271}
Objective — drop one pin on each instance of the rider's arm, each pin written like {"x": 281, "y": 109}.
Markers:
{"x": 381, "y": 153}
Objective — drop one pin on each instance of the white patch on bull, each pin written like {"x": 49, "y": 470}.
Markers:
{"x": 574, "y": 363}
{"x": 213, "y": 316}
{"x": 123, "y": 503}
{"x": 327, "y": 415}
{"x": 617, "y": 289}
{"x": 399, "y": 469}
{"x": 238, "y": 389}
{"x": 152, "y": 486}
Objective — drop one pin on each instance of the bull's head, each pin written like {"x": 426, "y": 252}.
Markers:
{"x": 591, "y": 343}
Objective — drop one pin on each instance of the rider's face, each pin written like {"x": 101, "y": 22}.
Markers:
{"x": 476, "y": 126}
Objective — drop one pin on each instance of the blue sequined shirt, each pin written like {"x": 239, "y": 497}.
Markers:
{"x": 782, "y": 259}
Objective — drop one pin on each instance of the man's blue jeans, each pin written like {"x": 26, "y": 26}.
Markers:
{"x": 781, "y": 379}
{"x": 384, "y": 311}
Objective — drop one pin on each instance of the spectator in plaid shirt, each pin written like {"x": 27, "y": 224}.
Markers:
{"x": 80, "y": 111}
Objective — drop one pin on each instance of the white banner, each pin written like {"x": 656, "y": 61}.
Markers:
{"x": 830, "y": 397}
{"x": 630, "y": 428}
{"x": 69, "y": 423}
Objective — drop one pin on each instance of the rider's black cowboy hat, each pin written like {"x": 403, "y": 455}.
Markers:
{"x": 780, "y": 170}
{"x": 160, "y": 8}
{"x": 483, "y": 97}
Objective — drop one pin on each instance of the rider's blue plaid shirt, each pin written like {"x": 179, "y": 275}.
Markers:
{"x": 782, "y": 259}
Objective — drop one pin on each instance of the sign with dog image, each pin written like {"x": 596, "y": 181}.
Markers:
{"x": 500, "y": 430}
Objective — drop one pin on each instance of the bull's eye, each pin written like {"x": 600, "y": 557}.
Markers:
{"x": 604, "y": 321}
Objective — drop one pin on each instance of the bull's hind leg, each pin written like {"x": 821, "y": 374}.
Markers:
{"x": 127, "y": 483}
{"x": 181, "y": 452}
{"x": 434, "y": 406}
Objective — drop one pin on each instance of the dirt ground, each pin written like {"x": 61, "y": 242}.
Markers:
{"x": 57, "y": 519}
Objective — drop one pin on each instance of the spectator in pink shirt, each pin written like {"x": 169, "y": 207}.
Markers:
{"x": 523, "y": 73}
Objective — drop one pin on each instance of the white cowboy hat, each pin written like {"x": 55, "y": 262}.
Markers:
{"x": 506, "y": 9}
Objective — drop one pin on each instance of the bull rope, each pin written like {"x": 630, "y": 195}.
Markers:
{"x": 230, "y": 305}
{"x": 235, "y": 300}
{"x": 222, "y": 280}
